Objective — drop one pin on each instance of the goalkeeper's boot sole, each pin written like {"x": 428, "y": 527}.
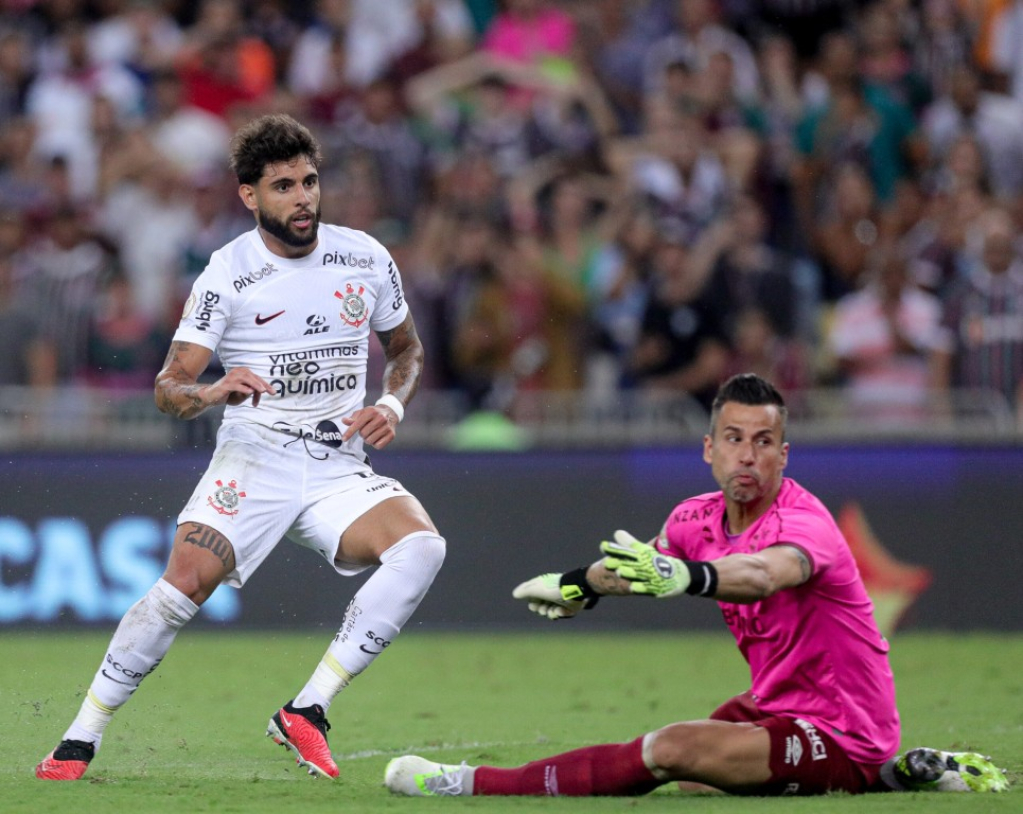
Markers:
{"x": 924, "y": 769}
{"x": 415, "y": 776}
{"x": 67, "y": 762}
{"x": 303, "y": 730}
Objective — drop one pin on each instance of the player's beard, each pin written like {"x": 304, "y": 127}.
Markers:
{"x": 282, "y": 230}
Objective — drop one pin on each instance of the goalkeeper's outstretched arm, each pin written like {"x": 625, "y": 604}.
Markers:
{"x": 742, "y": 578}
{"x": 631, "y": 567}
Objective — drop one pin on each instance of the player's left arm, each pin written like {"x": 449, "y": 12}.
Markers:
{"x": 403, "y": 369}
{"x": 745, "y": 578}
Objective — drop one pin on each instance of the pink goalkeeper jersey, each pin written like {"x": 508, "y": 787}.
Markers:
{"x": 814, "y": 651}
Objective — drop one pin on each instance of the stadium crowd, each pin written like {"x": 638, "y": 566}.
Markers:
{"x": 581, "y": 195}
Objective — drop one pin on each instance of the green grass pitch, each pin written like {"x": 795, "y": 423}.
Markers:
{"x": 191, "y": 740}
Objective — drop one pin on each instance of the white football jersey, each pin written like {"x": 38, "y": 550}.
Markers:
{"x": 303, "y": 325}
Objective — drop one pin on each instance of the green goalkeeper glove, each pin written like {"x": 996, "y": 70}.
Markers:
{"x": 557, "y": 596}
{"x": 648, "y": 571}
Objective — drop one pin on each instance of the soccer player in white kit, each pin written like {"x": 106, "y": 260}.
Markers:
{"x": 288, "y": 307}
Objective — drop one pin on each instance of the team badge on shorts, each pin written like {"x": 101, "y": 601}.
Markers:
{"x": 227, "y": 497}
{"x": 353, "y": 306}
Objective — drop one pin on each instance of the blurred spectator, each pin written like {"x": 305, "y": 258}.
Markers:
{"x": 148, "y": 214}
{"x": 322, "y": 58}
{"x": 805, "y": 24}
{"x": 1007, "y": 46}
{"x": 983, "y": 317}
{"x": 621, "y": 279}
{"x": 219, "y": 218}
{"x": 15, "y": 73}
{"x": 535, "y": 32}
{"x": 358, "y": 199}
{"x": 125, "y": 347}
{"x": 378, "y": 127}
{"x": 859, "y": 124}
{"x": 744, "y": 271}
{"x": 735, "y": 127}
{"x": 478, "y": 330}
{"x": 60, "y": 274}
{"x": 137, "y": 34}
{"x": 882, "y": 337}
{"x": 423, "y": 33}
{"x": 22, "y": 171}
{"x": 782, "y": 109}
{"x": 887, "y": 61}
{"x": 570, "y": 238}
{"x": 943, "y": 44}
{"x": 959, "y": 197}
{"x": 613, "y": 38}
{"x": 683, "y": 344}
{"x": 196, "y": 140}
{"x": 995, "y": 120}
{"x": 221, "y": 64}
{"x": 29, "y": 358}
{"x": 756, "y": 347}
{"x": 847, "y": 231}
{"x": 271, "y": 22}
{"x": 467, "y": 106}
{"x": 698, "y": 36}
{"x": 60, "y": 103}
{"x": 675, "y": 167}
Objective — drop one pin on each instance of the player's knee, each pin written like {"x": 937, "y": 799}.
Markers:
{"x": 172, "y": 604}
{"x": 675, "y": 751}
{"x": 431, "y": 549}
{"x": 421, "y": 551}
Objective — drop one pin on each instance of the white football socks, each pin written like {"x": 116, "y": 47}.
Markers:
{"x": 139, "y": 644}
{"x": 376, "y": 614}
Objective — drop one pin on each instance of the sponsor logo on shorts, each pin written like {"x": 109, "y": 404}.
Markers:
{"x": 353, "y": 307}
{"x": 226, "y": 498}
{"x": 818, "y": 751}
{"x": 793, "y": 750}
{"x": 790, "y": 789}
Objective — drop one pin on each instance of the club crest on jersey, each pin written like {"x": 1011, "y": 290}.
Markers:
{"x": 353, "y": 306}
{"x": 226, "y": 498}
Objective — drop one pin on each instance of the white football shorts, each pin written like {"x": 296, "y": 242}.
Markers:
{"x": 262, "y": 486}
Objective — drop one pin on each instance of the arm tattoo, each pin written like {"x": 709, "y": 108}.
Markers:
{"x": 404, "y": 354}
{"x": 608, "y": 583}
{"x": 213, "y": 541}
{"x": 805, "y": 569}
{"x": 177, "y": 393}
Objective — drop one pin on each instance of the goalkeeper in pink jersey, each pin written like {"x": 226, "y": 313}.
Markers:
{"x": 820, "y": 714}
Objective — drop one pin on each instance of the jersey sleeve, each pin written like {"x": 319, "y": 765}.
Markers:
{"x": 392, "y": 308}
{"x": 207, "y": 310}
{"x": 815, "y": 537}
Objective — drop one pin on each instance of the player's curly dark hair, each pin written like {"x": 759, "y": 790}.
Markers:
{"x": 267, "y": 140}
{"x": 747, "y": 388}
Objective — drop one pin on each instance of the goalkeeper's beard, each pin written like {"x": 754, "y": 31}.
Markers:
{"x": 282, "y": 230}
